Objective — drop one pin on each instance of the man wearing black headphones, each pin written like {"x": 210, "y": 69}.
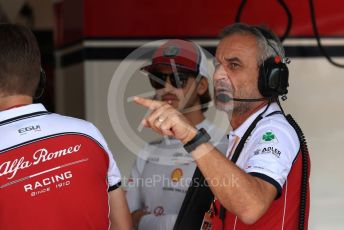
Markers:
{"x": 258, "y": 184}
{"x": 56, "y": 172}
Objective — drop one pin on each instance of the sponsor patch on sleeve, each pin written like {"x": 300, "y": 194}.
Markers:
{"x": 268, "y": 150}
{"x": 268, "y": 137}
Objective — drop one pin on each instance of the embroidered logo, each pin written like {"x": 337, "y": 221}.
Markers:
{"x": 159, "y": 211}
{"x": 171, "y": 51}
{"x": 25, "y": 130}
{"x": 272, "y": 150}
{"x": 176, "y": 174}
{"x": 268, "y": 136}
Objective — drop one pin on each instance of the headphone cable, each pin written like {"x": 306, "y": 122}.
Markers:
{"x": 285, "y": 8}
{"x": 317, "y": 37}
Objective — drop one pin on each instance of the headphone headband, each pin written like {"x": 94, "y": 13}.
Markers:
{"x": 273, "y": 72}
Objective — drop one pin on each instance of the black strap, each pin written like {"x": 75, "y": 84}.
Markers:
{"x": 196, "y": 202}
{"x": 247, "y": 134}
{"x": 273, "y": 113}
{"x": 199, "y": 197}
{"x": 238, "y": 150}
{"x": 244, "y": 138}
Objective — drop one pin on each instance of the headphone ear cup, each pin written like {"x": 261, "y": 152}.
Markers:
{"x": 273, "y": 78}
{"x": 41, "y": 85}
{"x": 281, "y": 82}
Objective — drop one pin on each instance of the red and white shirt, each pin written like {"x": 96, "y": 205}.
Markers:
{"x": 55, "y": 172}
{"x": 271, "y": 153}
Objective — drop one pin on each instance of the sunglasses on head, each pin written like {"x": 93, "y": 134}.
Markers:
{"x": 177, "y": 80}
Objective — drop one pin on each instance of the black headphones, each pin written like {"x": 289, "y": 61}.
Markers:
{"x": 273, "y": 72}
{"x": 41, "y": 85}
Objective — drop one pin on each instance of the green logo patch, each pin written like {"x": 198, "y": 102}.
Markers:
{"x": 268, "y": 136}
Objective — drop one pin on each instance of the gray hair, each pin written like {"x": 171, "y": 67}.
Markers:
{"x": 268, "y": 43}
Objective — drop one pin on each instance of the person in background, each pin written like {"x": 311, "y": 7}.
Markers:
{"x": 56, "y": 172}
{"x": 179, "y": 75}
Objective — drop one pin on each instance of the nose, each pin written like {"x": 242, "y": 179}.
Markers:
{"x": 220, "y": 73}
{"x": 168, "y": 86}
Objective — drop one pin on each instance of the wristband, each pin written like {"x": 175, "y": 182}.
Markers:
{"x": 201, "y": 137}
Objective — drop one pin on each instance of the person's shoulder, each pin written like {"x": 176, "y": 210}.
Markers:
{"x": 276, "y": 130}
{"x": 68, "y": 124}
{"x": 278, "y": 122}
{"x": 68, "y": 120}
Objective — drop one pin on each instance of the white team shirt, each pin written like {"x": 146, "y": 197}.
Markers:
{"x": 59, "y": 165}
{"x": 160, "y": 179}
{"x": 271, "y": 148}
{"x": 24, "y": 130}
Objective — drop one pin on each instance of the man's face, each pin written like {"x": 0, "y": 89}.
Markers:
{"x": 179, "y": 98}
{"x": 236, "y": 72}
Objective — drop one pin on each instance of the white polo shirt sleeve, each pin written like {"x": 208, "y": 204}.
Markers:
{"x": 273, "y": 148}
{"x": 114, "y": 175}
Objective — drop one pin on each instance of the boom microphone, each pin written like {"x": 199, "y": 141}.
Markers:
{"x": 224, "y": 98}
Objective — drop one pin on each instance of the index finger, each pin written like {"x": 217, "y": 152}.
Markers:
{"x": 151, "y": 104}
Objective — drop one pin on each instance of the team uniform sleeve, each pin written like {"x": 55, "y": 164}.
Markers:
{"x": 150, "y": 221}
{"x": 272, "y": 154}
{"x": 113, "y": 174}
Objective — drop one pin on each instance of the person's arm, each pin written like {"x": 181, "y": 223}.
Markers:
{"x": 244, "y": 195}
{"x": 119, "y": 213}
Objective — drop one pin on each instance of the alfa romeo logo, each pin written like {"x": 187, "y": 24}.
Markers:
{"x": 159, "y": 211}
{"x": 268, "y": 136}
{"x": 171, "y": 51}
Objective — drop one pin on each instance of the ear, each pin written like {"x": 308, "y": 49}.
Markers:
{"x": 202, "y": 86}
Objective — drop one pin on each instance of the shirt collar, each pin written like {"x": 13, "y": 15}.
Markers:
{"x": 21, "y": 111}
{"x": 240, "y": 131}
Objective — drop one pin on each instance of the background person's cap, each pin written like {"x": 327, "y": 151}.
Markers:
{"x": 183, "y": 54}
